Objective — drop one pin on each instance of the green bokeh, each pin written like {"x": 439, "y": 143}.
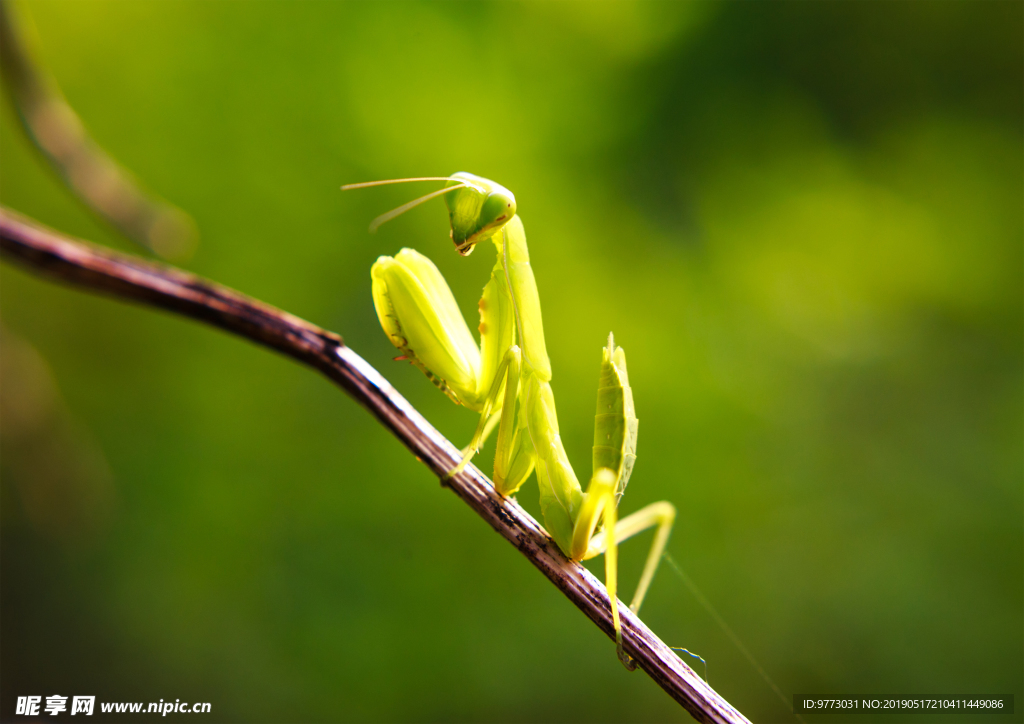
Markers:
{"x": 802, "y": 221}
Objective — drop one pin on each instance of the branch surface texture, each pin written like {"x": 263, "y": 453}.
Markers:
{"x": 102, "y": 270}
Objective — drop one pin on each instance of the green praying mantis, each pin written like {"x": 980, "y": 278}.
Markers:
{"x": 507, "y": 380}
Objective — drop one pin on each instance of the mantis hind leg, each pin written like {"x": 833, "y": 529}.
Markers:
{"x": 662, "y": 515}
{"x": 600, "y": 502}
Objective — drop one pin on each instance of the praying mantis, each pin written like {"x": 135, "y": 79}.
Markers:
{"x": 507, "y": 380}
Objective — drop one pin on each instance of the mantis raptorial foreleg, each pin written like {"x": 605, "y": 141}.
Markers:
{"x": 507, "y": 381}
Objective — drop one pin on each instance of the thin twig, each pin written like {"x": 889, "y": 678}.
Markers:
{"x": 101, "y": 183}
{"x": 99, "y": 269}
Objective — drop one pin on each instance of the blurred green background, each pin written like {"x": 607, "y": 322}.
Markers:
{"x": 803, "y": 221}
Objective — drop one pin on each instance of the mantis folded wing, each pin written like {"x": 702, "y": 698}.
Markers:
{"x": 506, "y": 379}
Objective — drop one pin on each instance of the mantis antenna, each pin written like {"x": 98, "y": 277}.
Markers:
{"x": 384, "y": 218}
{"x": 368, "y": 184}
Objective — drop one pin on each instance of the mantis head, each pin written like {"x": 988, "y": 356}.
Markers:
{"x": 477, "y": 210}
{"x": 477, "y": 207}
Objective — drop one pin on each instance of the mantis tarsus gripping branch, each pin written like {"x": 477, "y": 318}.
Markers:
{"x": 507, "y": 380}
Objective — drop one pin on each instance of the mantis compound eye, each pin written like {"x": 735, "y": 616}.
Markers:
{"x": 498, "y": 208}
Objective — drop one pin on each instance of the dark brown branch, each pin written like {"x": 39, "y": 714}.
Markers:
{"x": 49, "y": 253}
